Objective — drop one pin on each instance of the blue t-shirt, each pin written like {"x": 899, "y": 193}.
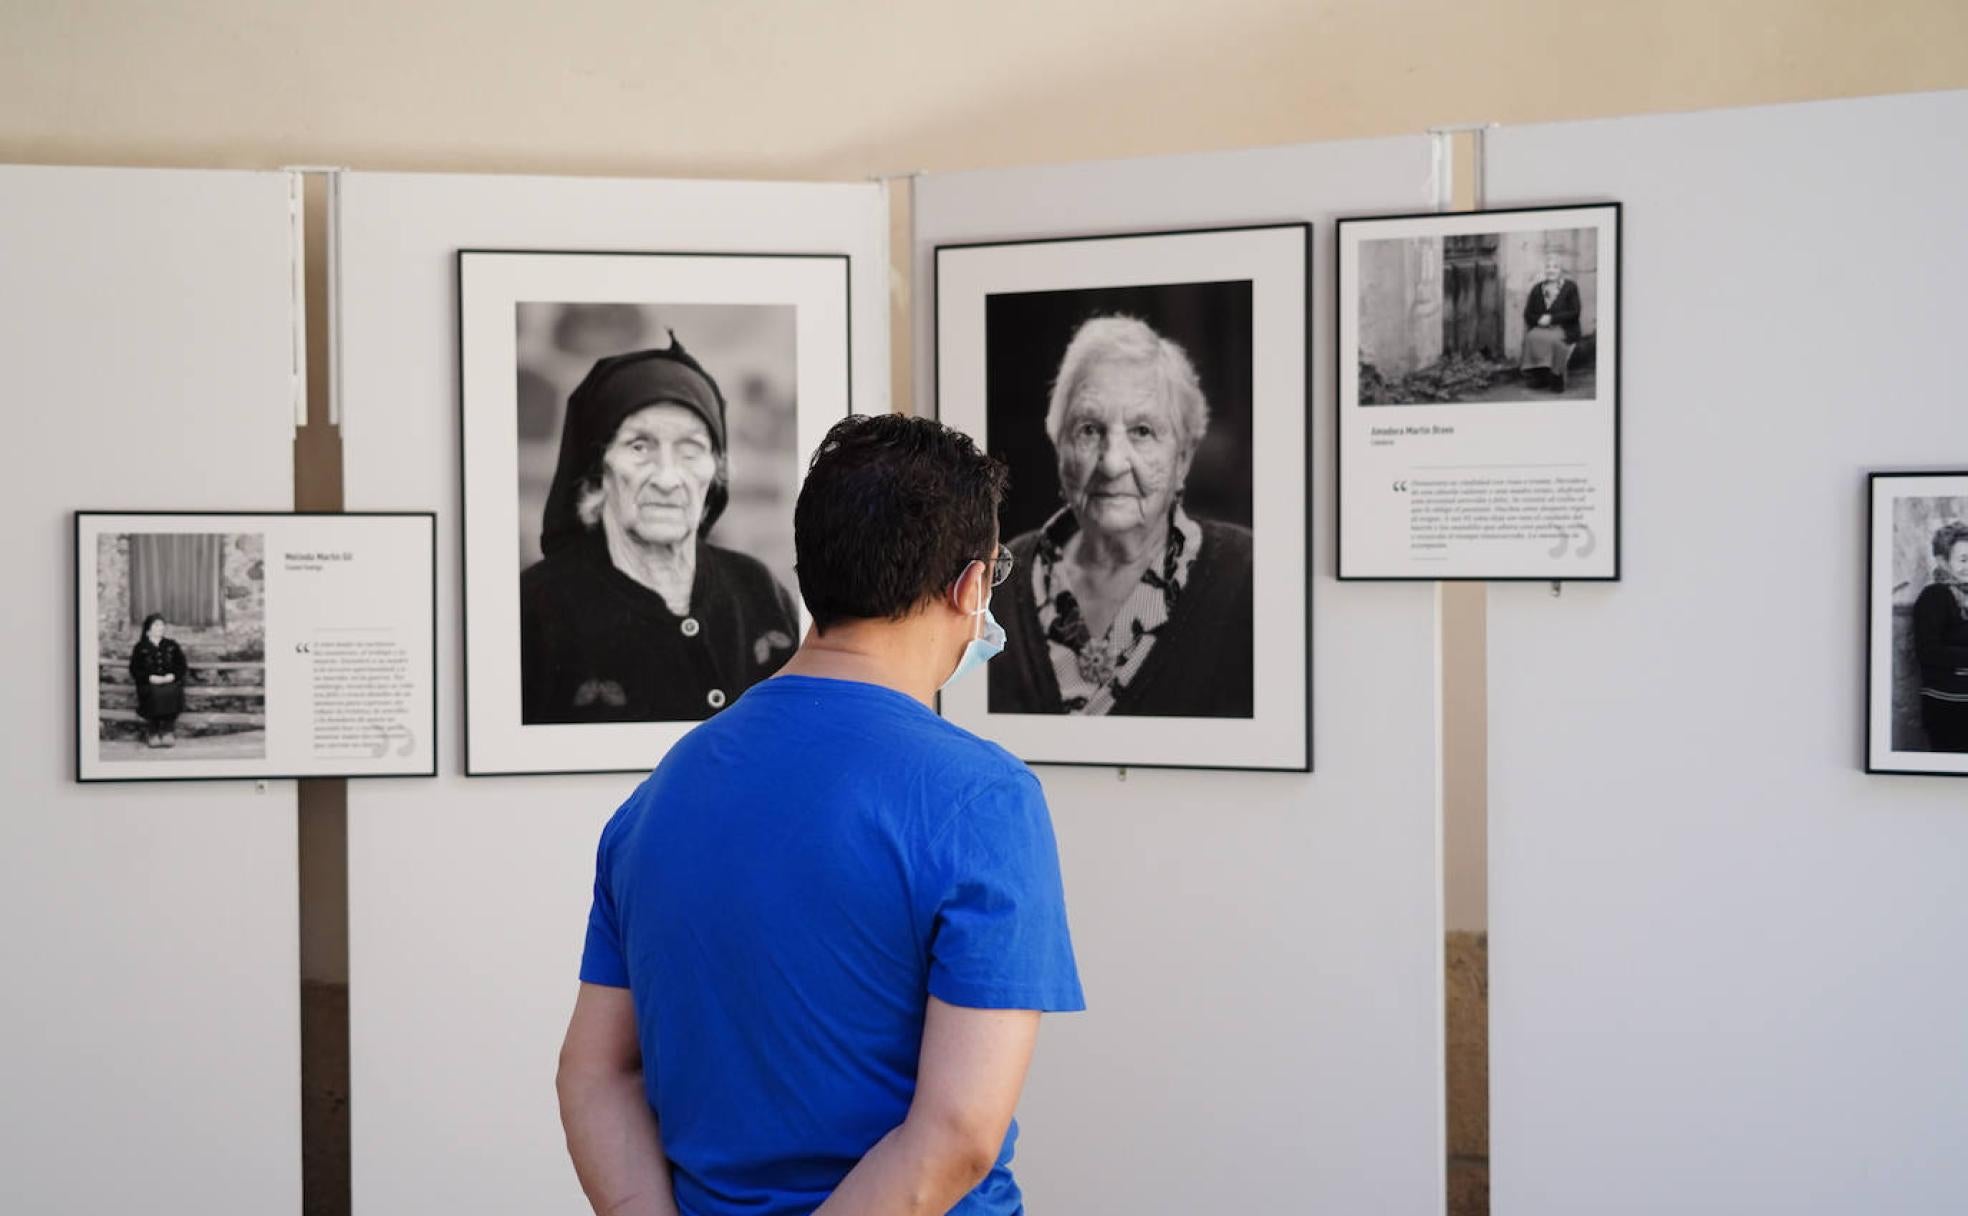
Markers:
{"x": 782, "y": 896}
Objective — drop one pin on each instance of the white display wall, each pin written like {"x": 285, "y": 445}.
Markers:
{"x": 1726, "y": 964}
{"x": 468, "y": 897}
{"x": 1262, "y": 952}
{"x": 150, "y": 1010}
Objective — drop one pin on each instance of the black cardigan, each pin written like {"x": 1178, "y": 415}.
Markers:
{"x": 597, "y": 646}
{"x": 1564, "y": 310}
{"x": 165, "y": 658}
{"x": 1940, "y": 642}
{"x": 1201, "y": 665}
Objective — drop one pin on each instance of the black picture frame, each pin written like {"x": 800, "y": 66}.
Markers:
{"x": 77, "y": 642}
{"x": 646, "y": 757}
{"x": 1302, "y": 409}
{"x": 1881, "y": 711}
{"x": 1344, "y": 360}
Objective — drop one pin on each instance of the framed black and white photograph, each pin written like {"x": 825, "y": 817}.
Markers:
{"x": 1917, "y": 622}
{"x": 634, "y": 429}
{"x": 220, "y": 644}
{"x": 1149, "y": 394}
{"x": 1478, "y": 388}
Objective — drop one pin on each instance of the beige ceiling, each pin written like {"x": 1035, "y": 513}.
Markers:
{"x": 848, "y": 87}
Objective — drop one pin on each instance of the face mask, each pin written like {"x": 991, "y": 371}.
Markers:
{"x": 980, "y": 650}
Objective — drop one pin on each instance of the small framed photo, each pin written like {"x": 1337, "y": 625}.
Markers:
{"x": 229, "y": 645}
{"x": 1479, "y": 395}
{"x": 1149, "y": 393}
{"x": 634, "y": 432}
{"x": 1917, "y": 624}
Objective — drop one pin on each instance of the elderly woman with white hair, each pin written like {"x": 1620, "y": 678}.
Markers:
{"x": 1551, "y": 328}
{"x": 1122, "y": 603}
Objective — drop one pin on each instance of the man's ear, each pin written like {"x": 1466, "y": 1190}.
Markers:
{"x": 961, "y": 596}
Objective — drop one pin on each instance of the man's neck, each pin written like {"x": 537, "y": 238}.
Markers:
{"x": 894, "y": 654}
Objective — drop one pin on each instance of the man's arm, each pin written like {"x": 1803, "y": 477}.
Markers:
{"x": 611, "y": 1132}
{"x": 968, "y": 1079}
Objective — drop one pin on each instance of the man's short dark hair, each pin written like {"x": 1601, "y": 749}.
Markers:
{"x": 892, "y": 511}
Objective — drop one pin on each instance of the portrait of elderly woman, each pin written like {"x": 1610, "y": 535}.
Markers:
{"x": 1125, "y": 600}
{"x": 631, "y": 614}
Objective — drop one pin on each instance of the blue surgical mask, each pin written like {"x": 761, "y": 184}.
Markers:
{"x": 980, "y": 650}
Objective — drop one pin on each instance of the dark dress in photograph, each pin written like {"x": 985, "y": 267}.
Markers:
{"x": 1198, "y": 658}
{"x": 1548, "y": 348}
{"x": 159, "y": 704}
{"x": 1940, "y": 645}
{"x": 598, "y": 646}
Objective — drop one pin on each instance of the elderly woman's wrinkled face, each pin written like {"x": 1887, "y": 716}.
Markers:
{"x": 656, "y": 473}
{"x": 155, "y": 633}
{"x": 1553, "y": 272}
{"x": 1120, "y": 458}
{"x": 1957, "y": 560}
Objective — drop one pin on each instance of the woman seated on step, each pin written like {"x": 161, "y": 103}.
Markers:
{"x": 1551, "y": 328}
{"x": 159, "y": 670}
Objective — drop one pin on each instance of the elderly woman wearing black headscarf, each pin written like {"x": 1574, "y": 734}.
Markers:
{"x": 631, "y": 615}
{"x": 1122, "y": 603}
{"x": 159, "y": 670}
{"x": 1940, "y": 642}
{"x": 1551, "y": 328}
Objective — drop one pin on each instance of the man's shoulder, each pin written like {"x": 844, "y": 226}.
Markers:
{"x": 974, "y": 766}
{"x": 941, "y": 757}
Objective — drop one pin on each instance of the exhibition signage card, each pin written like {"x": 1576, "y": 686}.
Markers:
{"x": 1478, "y": 388}
{"x": 215, "y": 645}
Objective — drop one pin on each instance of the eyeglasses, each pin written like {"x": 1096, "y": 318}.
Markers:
{"x": 1000, "y": 567}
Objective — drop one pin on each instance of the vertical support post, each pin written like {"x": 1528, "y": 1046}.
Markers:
{"x": 297, "y": 258}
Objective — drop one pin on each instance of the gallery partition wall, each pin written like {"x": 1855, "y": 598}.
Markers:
{"x": 1261, "y": 950}
{"x": 1725, "y": 959}
{"x": 1215, "y": 913}
{"x": 150, "y": 1011}
{"x": 467, "y": 895}
{"x": 1725, "y": 953}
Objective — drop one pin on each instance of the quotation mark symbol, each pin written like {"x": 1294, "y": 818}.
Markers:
{"x": 1588, "y": 544}
{"x": 385, "y": 732}
{"x": 1400, "y": 487}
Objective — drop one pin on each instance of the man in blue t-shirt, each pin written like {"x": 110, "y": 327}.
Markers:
{"x": 825, "y": 927}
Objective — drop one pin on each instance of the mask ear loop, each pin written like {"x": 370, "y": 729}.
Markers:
{"x": 984, "y": 588}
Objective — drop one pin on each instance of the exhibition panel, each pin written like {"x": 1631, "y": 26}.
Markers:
{"x": 1262, "y": 952}
{"x": 150, "y": 1015}
{"x": 1725, "y": 958}
{"x": 468, "y": 895}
